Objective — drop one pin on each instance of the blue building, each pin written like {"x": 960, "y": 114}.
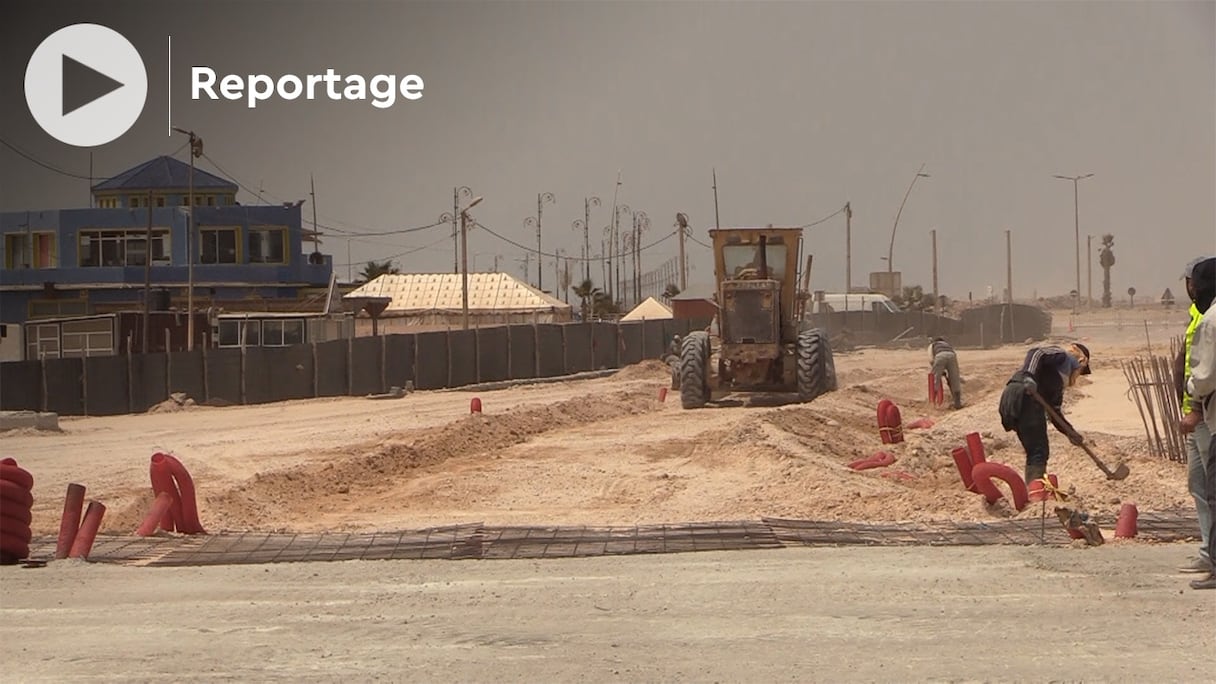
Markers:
{"x": 71, "y": 262}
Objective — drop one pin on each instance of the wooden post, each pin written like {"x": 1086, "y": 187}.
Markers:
{"x": 244, "y": 335}
{"x": 383, "y": 364}
{"x": 536, "y": 347}
{"x": 477, "y": 349}
{"x": 1009, "y": 282}
{"x": 447, "y": 338}
{"x": 130, "y": 378}
{"x": 42, "y": 368}
{"x": 316, "y": 385}
{"x": 206, "y": 381}
{"x": 168, "y": 366}
{"x": 936, "y": 297}
{"x": 350, "y": 366}
{"x": 510, "y": 368}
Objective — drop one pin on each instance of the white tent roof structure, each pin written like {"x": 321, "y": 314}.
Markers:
{"x": 649, "y": 310}
{"x": 422, "y": 293}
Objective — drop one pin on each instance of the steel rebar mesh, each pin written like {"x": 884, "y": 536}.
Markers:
{"x": 1151, "y": 384}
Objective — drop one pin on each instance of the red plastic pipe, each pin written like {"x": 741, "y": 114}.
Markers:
{"x": 963, "y": 462}
{"x": 162, "y": 483}
{"x": 189, "y": 522}
{"x": 894, "y": 424}
{"x": 881, "y": 459}
{"x": 475, "y": 405}
{"x": 69, "y": 524}
{"x": 83, "y": 543}
{"x": 983, "y": 474}
{"x": 155, "y": 515}
{"x": 1125, "y": 526}
{"x": 975, "y": 448}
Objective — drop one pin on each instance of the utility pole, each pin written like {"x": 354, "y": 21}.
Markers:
{"x": 457, "y": 192}
{"x": 464, "y": 261}
{"x": 541, "y": 198}
{"x": 196, "y": 150}
{"x": 1009, "y": 279}
{"x": 603, "y": 265}
{"x": 350, "y": 273}
{"x": 848, "y": 247}
{"x": 936, "y": 298}
{"x": 147, "y": 279}
{"x": 1089, "y": 271}
{"x": 588, "y": 202}
{"x": 313, "y": 194}
{"x": 717, "y": 221}
{"x": 682, "y": 227}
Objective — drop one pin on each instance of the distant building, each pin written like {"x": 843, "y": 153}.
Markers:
{"x": 694, "y": 304}
{"x": 435, "y": 300}
{"x": 77, "y": 262}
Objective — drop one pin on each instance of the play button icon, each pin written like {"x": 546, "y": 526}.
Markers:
{"x": 82, "y": 85}
{"x": 86, "y": 85}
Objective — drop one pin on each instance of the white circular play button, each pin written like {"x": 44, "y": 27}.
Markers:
{"x": 86, "y": 85}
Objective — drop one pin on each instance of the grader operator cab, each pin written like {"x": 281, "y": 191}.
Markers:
{"x": 762, "y": 343}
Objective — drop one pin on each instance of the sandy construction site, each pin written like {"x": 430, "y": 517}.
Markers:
{"x": 607, "y": 451}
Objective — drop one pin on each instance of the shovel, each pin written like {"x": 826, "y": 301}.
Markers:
{"x": 1119, "y": 473}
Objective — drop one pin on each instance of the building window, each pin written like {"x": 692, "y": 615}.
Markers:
{"x": 267, "y": 245}
{"x": 231, "y": 332}
{"x": 282, "y": 333}
{"x": 218, "y": 245}
{"x": 160, "y": 201}
{"x": 30, "y": 250}
{"x": 88, "y": 337}
{"x": 107, "y": 203}
{"x": 54, "y": 308}
{"x": 123, "y": 247}
{"x": 41, "y": 341}
{"x": 211, "y": 200}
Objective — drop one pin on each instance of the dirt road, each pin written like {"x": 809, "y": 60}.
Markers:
{"x": 941, "y": 614}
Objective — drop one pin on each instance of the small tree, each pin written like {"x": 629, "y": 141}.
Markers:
{"x": 914, "y": 298}
{"x": 671, "y": 291}
{"x": 587, "y": 294}
{"x": 375, "y": 269}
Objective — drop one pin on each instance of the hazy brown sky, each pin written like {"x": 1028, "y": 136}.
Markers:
{"x": 801, "y": 106}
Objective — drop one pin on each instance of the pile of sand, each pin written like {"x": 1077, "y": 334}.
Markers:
{"x": 177, "y": 401}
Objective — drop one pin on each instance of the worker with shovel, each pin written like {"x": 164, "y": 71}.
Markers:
{"x": 1201, "y": 388}
{"x": 1036, "y": 392}
{"x": 1200, "y": 278}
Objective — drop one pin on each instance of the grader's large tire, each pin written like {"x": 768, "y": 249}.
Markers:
{"x": 694, "y": 369}
{"x": 816, "y": 368}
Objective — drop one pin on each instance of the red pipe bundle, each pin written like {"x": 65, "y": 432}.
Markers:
{"x": 69, "y": 522}
{"x": 171, "y": 478}
{"x": 83, "y": 544}
{"x": 937, "y": 392}
{"x": 1125, "y": 525}
{"x": 16, "y": 511}
{"x": 889, "y": 426}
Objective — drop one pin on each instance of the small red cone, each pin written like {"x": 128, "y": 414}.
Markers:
{"x": 1125, "y": 526}
{"x": 475, "y": 405}
{"x": 662, "y": 394}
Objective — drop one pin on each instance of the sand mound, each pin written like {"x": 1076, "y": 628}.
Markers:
{"x": 650, "y": 369}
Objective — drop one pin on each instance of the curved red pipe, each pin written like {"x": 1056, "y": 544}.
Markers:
{"x": 69, "y": 523}
{"x": 162, "y": 483}
{"x": 11, "y": 472}
{"x": 963, "y": 462}
{"x": 189, "y": 522}
{"x": 881, "y": 459}
{"x": 83, "y": 543}
{"x": 975, "y": 448}
{"x": 983, "y": 474}
{"x": 155, "y": 515}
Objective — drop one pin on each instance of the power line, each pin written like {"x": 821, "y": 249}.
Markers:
{"x": 532, "y": 250}
{"x": 834, "y": 214}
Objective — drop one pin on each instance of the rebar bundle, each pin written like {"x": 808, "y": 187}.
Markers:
{"x": 1151, "y": 384}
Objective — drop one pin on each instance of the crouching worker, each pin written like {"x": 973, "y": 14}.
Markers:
{"x": 1046, "y": 371}
{"x": 944, "y": 361}
{"x": 673, "y": 360}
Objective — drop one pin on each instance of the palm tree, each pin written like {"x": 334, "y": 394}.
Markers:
{"x": 375, "y": 269}
{"x": 587, "y": 293}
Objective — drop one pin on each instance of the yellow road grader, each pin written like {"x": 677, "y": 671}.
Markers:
{"x": 763, "y": 342}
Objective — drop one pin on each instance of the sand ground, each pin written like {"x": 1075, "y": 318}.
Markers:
{"x": 607, "y": 451}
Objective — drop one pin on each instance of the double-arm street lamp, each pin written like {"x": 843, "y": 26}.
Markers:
{"x": 464, "y": 260}
{"x": 1076, "y": 224}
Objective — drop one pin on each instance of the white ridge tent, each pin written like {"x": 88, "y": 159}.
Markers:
{"x": 435, "y": 299}
{"x": 649, "y": 310}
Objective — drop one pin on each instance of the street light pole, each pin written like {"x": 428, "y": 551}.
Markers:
{"x": 891, "y": 250}
{"x": 588, "y": 202}
{"x": 196, "y": 150}
{"x": 457, "y": 193}
{"x": 1076, "y": 207}
{"x": 464, "y": 261}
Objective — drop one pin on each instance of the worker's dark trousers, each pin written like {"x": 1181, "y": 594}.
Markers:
{"x": 1032, "y": 432}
